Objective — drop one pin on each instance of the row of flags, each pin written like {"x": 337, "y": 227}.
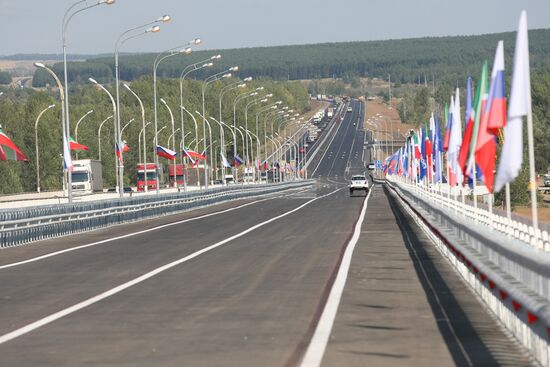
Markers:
{"x": 471, "y": 154}
{"x": 194, "y": 157}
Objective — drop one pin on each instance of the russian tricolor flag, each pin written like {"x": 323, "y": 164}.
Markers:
{"x": 237, "y": 161}
{"x": 118, "y": 152}
{"x": 493, "y": 118}
{"x": 166, "y": 153}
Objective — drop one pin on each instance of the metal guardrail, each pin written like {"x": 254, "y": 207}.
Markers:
{"x": 512, "y": 277}
{"x": 21, "y": 226}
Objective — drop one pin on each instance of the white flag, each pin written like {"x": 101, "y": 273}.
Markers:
{"x": 520, "y": 104}
{"x": 455, "y": 140}
{"x": 225, "y": 163}
{"x": 67, "y": 159}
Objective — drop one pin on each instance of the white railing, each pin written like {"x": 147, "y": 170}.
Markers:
{"x": 501, "y": 264}
{"x": 496, "y": 220}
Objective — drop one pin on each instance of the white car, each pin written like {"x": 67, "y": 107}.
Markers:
{"x": 371, "y": 166}
{"x": 350, "y": 109}
{"x": 358, "y": 183}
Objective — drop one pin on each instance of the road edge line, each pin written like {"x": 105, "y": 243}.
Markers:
{"x": 318, "y": 343}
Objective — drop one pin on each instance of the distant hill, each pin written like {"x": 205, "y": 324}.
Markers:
{"x": 407, "y": 60}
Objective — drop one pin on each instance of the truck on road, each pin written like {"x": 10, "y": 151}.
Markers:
{"x": 151, "y": 181}
{"x": 87, "y": 176}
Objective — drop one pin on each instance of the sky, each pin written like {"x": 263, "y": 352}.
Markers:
{"x": 34, "y": 26}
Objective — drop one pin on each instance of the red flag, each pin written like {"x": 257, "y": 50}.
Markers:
{"x": 492, "y": 119}
{"x": 8, "y": 150}
{"x": 74, "y": 145}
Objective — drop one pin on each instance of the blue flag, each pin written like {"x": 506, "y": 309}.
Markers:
{"x": 438, "y": 148}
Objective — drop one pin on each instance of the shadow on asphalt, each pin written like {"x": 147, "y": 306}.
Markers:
{"x": 464, "y": 343}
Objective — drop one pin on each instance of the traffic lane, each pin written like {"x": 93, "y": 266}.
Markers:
{"x": 339, "y": 154}
{"x": 341, "y": 163}
{"x": 405, "y": 305}
{"x": 34, "y": 290}
{"x": 324, "y": 167}
{"x": 356, "y": 163}
{"x": 249, "y": 303}
{"x": 39, "y": 248}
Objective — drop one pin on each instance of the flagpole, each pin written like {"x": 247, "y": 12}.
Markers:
{"x": 508, "y": 202}
{"x": 473, "y": 168}
{"x": 532, "y": 177}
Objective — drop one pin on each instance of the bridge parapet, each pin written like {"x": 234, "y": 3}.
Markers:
{"x": 498, "y": 260}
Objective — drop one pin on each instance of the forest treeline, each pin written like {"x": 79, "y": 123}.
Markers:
{"x": 20, "y": 107}
{"x": 408, "y": 60}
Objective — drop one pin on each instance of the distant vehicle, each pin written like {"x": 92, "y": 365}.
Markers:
{"x": 371, "y": 166}
{"x": 358, "y": 183}
{"x": 87, "y": 176}
{"x": 249, "y": 174}
{"x": 229, "y": 179}
{"x": 330, "y": 112}
{"x": 152, "y": 173}
{"x": 217, "y": 182}
{"x": 547, "y": 180}
{"x": 179, "y": 174}
{"x": 350, "y": 109}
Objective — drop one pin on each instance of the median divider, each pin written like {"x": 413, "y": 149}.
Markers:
{"x": 513, "y": 279}
{"x": 25, "y": 225}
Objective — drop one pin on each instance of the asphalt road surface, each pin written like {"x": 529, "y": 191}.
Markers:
{"x": 250, "y": 283}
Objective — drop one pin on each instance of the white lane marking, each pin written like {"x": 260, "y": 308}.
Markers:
{"x": 327, "y": 148}
{"x": 317, "y": 345}
{"x": 42, "y": 257}
{"x": 90, "y": 301}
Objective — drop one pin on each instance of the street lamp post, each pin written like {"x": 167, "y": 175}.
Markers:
{"x": 117, "y": 165}
{"x": 67, "y": 181}
{"x": 36, "y": 145}
{"x": 143, "y": 125}
{"x": 173, "y": 133}
{"x": 142, "y": 133}
{"x": 224, "y": 90}
{"x": 99, "y": 134}
{"x": 125, "y": 126}
{"x": 248, "y": 105}
{"x": 78, "y": 123}
{"x": 209, "y": 155}
{"x": 76, "y": 127}
{"x": 186, "y": 71}
{"x": 150, "y": 27}
{"x": 69, "y": 14}
{"x": 158, "y": 59}
{"x": 196, "y": 140}
{"x": 238, "y": 98}
{"x": 221, "y": 75}
{"x": 275, "y": 111}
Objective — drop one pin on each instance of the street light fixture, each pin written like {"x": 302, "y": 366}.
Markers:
{"x": 221, "y": 75}
{"x": 99, "y": 134}
{"x": 143, "y": 125}
{"x": 76, "y": 128}
{"x": 36, "y": 145}
{"x": 118, "y": 165}
{"x": 207, "y": 63}
{"x": 158, "y": 59}
{"x": 67, "y": 179}
{"x": 173, "y": 134}
{"x": 150, "y": 27}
